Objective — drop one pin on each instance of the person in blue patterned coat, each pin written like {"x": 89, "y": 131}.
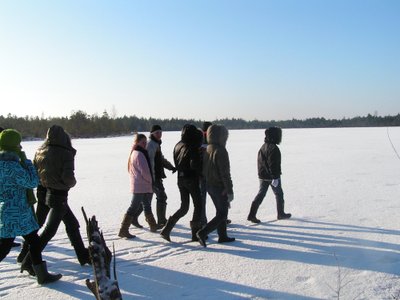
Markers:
{"x": 17, "y": 175}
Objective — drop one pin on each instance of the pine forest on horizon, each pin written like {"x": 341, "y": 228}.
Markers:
{"x": 82, "y": 125}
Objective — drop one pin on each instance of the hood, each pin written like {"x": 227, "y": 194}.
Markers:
{"x": 58, "y": 137}
{"x": 217, "y": 135}
{"x": 191, "y": 135}
{"x": 273, "y": 135}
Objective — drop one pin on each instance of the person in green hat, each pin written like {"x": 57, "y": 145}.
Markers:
{"x": 17, "y": 175}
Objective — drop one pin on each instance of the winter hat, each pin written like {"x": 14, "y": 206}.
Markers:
{"x": 205, "y": 126}
{"x": 155, "y": 128}
{"x": 10, "y": 140}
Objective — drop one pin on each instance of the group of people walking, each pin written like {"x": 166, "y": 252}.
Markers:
{"x": 202, "y": 165}
{"x": 201, "y": 162}
{"x": 52, "y": 174}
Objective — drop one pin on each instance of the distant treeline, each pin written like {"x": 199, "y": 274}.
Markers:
{"x": 83, "y": 125}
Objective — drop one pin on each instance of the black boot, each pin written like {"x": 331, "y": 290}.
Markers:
{"x": 202, "y": 236}
{"x": 82, "y": 253}
{"x": 43, "y": 276}
{"x": 165, "y": 233}
{"x": 222, "y": 234}
{"x": 84, "y": 257}
{"x": 161, "y": 214}
{"x": 26, "y": 265}
{"x": 280, "y": 204}
{"x": 195, "y": 226}
{"x": 252, "y": 214}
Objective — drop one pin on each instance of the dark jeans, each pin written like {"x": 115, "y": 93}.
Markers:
{"x": 53, "y": 205}
{"x": 203, "y": 191}
{"x": 32, "y": 239}
{"x": 221, "y": 205}
{"x": 262, "y": 191}
{"x": 159, "y": 190}
{"x": 140, "y": 202}
{"x": 189, "y": 187}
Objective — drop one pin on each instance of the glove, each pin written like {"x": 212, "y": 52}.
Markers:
{"x": 275, "y": 182}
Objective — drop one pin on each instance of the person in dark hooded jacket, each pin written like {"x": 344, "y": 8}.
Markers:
{"x": 54, "y": 161}
{"x": 269, "y": 173}
{"x": 216, "y": 169}
{"x": 187, "y": 159}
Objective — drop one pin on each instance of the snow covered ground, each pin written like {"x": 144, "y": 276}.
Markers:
{"x": 341, "y": 185}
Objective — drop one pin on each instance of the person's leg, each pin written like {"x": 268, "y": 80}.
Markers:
{"x": 182, "y": 211}
{"x": 72, "y": 228}
{"x": 161, "y": 205}
{"x": 42, "y": 210}
{"x": 262, "y": 191}
{"x": 280, "y": 202}
{"x": 215, "y": 193}
{"x": 128, "y": 217}
{"x": 39, "y": 266}
{"x": 203, "y": 191}
{"x": 5, "y": 247}
{"x": 146, "y": 203}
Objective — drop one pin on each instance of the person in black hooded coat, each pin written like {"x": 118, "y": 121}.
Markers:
{"x": 187, "y": 159}
{"x": 269, "y": 174}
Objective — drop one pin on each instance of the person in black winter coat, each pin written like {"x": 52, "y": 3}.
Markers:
{"x": 55, "y": 162}
{"x": 187, "y": 159}
{"x": 269, "y": 174}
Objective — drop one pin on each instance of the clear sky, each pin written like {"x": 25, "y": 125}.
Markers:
{"x": 265, "y": 60}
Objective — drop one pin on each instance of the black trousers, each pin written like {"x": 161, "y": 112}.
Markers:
{"x": 53, "y": 205}
{"x": 189, "y": 187}
{"x": 32, "y": 239}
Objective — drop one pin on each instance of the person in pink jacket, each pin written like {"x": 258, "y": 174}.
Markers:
{"x": 141, "y": 186}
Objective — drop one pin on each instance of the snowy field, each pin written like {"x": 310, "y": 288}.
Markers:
{"x": 341, "y": 185}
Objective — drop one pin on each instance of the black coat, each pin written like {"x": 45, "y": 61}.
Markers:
{"x": 187, "y": 152}
{"x": 269, "y": 162}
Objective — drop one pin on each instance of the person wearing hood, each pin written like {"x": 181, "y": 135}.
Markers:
{"x": 187, "y": 159}
{"x": 216, "y": 169}
{"x": 158, "y": 164}
{"x": 55, "y": 162}
{"x": 17, "y": 218}
{"x": 14, "y": 244}
{"x": 141, "y": 185}
{"x": 269, "y": 174}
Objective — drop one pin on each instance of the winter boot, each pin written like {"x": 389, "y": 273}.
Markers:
{"x": 280, "y": 204}
{"x": 168, "y": 228}
{"x": 23, "y": 253}
{"x": 202, "y": 236}
{"x": 27, "y": 266}
{"x": 43, "y": 276}
{"x": 195, "y": 226}
{"x": 124, "y": 231}
{"x": 136, "y": 223}
{"x": 222, "y": 235}
{"x": 84, "y": 257}
{"x": 135, "y": 217}
{"x": 284, "y": 216}
{"x": 152, "y": 222}
{"x": 252, "y": 214}
{"x": 161, "y": 212}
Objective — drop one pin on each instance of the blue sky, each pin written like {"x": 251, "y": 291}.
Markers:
{"x": 265, "y": 60}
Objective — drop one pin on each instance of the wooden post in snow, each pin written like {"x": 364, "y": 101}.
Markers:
{"x": 103, "y": 287}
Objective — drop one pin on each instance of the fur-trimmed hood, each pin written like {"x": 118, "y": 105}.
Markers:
{"x": 217, "y": 135}
{"x": 273, "y": 135}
